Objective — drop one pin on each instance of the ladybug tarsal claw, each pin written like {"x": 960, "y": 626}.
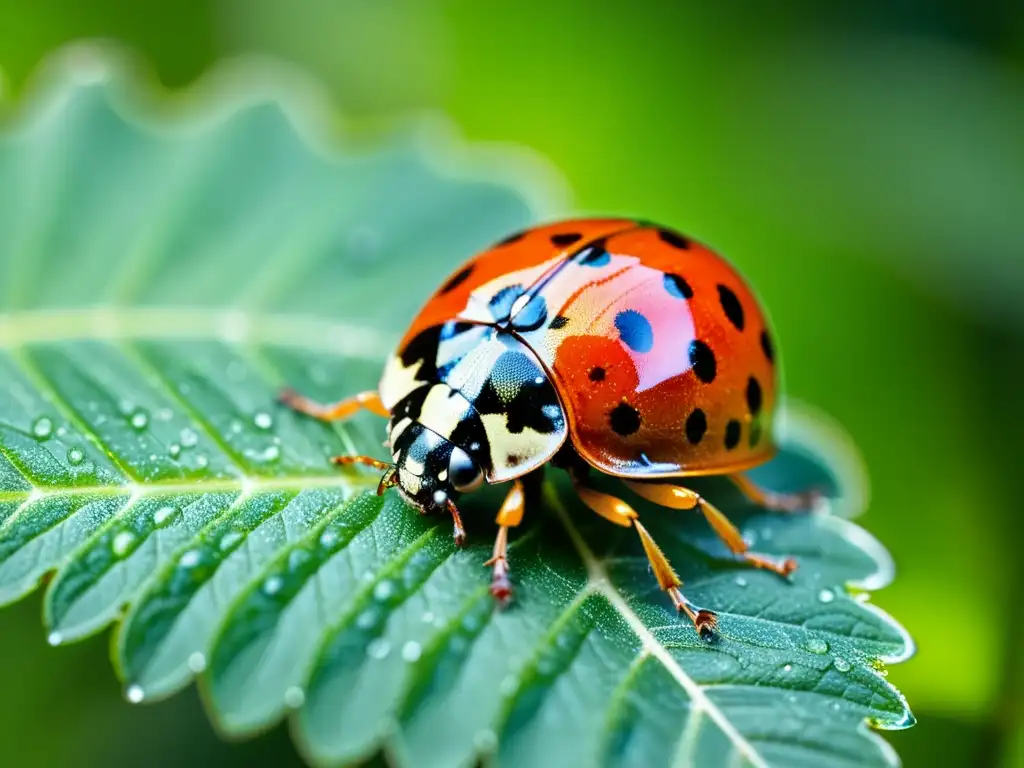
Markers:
{"x": 458, "y": 531}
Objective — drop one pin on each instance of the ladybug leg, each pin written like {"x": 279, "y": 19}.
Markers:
{"x": 342, "y": 409}
{"x": 677, "y": 497}
{"x": 620, "y": 513}
{"x": 777, "y": 502}
{"x": 509, "y": 516}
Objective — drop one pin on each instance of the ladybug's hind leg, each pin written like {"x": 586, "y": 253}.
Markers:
{"x": 620, "y": 513}
{"x": 342, "y": 409}
{"x": 677, "y": 497}
{"x": 777, "y": 502}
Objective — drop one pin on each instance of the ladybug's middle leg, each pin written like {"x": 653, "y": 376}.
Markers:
{"x": 620, "y": 513}
{"x": 342, "y": 409}
{"x": 677, "y": 497}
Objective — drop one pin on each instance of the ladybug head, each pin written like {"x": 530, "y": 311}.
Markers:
{"x": 430, "y": 471}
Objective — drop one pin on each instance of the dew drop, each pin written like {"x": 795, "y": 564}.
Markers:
{"x": 174, "y": 450}
{"x": 164, "y": 516}
{"x": 412, "y": 651}
{"x": 202, "y": 462}
{"x": 235, "y": 427}
{"x": 378, "y": 649}
{"x": 75, "y": 456}
{"x": 836, "y": 706}
{"x": 230, "y": 540}
{"x": 55, "y": 638}
{"x": 190, "y": 559}
{"x": 841, "y": 664}
{"x": 509, "y": 686}
{"x": 165, "y": 414}
{"x": 788, "y": 668}
{"x": 189, "y": 438}
{"x": 427, "y": 617}
{"x": 383, "y": 590}
{"x": 298, "y": 558}
{"x": 816, "y": 645}
{"x": 740, "y": 581}
{"x": 328, "y": 539}
{"x": 294, "y": 697}
{"x": 61, "y": 431}
{"x": 826, "y": 596}
{"x": 263, "y": 420}
{"x": 272, "y": 585}
{"x": 273, "y": 453}
{"x": 140, "y": 420}
{"x": 366, "y": 619}
{"x": 122, "y": 543}
{"x": 485, "y": 740}
{"x": 135, "y": 694}
{"x": 197, "y": 662}
{"x": 42, "y": 428}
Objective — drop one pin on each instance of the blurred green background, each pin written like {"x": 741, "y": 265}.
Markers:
{"x": 863, "y": 163}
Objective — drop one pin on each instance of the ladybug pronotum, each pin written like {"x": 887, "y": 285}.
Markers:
{"x": 594, "y": 344}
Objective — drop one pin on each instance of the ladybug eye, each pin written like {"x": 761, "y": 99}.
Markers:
{"x": 463, "y": 473}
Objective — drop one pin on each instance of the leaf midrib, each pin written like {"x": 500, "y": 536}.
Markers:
{"x": 315, "y": 335}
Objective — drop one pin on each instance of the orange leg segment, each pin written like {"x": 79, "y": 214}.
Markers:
{"x": 620, "y": 513}
{"x": 342, "y": 409}
{"x": 776, "y": 502}
{"x": 509, "y": 516}
{"x": 677, "y": 497}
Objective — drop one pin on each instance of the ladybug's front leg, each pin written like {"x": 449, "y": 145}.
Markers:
{"x": 522, "y": 493}
{"x": 342, "y": 409}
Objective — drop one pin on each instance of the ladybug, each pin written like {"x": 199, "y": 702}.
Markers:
{"x": 603, "y": 345}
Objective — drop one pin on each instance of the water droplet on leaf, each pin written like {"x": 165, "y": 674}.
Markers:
{"x": 379, "y": 648}
{"x": 123, "y": 543}
{"x": 140, "y": 420}
{"x": 816, "y": 645}
{"x": 75, "y": 456}
{"x": 263, "y": 420}
{"x": 826, "y": 596}
{"x": 42, "y": 428}
{"x": 412, "y": 651}
{"x": 189, "y": 438}
{"x": 841, "y": 664}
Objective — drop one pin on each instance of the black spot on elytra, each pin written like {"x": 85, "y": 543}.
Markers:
{"x": 696, "y": 426}
{"x": 501, "y": 302}
{"x": 677, "y": 286}
{"x": 635, "y": 330}
{"x": 457, "y": 279}
{"x": 532, "y": 316}
{"x": 732, "y": 434}
{"x": 558, "y": 321}
{"x": 674, "y": 239}
{"x": 624, "y": 419}
{"x": 597, "y": 373}
{"x": 512, "y": 238}
{"x": 702, "y": 361}
{"x": 565, "y": 238}
{"x": 766, "y": 346}
{"x": 594, "y": 255}
{"x": 755, "y": 433}
{"x": 731, "y": 306}
{"x": 754, "y": 396}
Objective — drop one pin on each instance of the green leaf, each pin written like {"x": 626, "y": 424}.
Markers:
{"x": 168, "y": 263}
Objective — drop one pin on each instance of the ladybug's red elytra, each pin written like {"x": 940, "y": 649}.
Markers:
{"x": 593, "y": 344}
